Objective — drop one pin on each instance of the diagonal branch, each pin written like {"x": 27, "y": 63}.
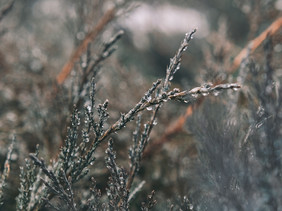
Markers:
{"x": 177, "y": 126}
{"x": 272, "y": 29}
{"x": 107, "y": 18}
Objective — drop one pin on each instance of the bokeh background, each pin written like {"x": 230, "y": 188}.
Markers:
{"x": 38, "y": 37}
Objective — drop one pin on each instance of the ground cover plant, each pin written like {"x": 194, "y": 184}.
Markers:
{"x": 99, "y": 135}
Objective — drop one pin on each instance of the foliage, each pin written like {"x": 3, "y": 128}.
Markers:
{"x": 87, "y": 152}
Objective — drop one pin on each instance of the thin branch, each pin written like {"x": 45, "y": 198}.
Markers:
{"x": 137, "y": 189}
{"x": 6, "y": 171}
{"x": 125, "y": 118}
{"x": 174, "y": 64}
{"x": 271, "y": 30}
{"x": 107, "y": 18}
{"x": 194, "y": 93}
{"x": 140, "y": 149}
{"x": 55, "y": 184}
{"x": 108, "y": 49}
{"x": 172, "y": 129}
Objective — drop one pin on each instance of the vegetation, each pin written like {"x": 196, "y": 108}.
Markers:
{"x": 101, "y": 135}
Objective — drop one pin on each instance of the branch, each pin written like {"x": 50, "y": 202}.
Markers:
{"x": 195, "y": 93}
{"x": 174, "y": 128}
{"x": 139, "y": 145}
{"x": 174, "y": 64}
{"x": 107, "y": 18}
{"x": 6, "y": 171}
{"x": 272, "y": 29}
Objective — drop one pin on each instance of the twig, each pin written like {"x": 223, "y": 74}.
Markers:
{"x": 174, "y": 64}
{"x": 6, "y": 171}
{"x": 141, "y": 147}
{"x": 55, "y": 184}
{"x": 107, "y": 17}
{"x": 108, "y": 49}
{"x": 137, "y": 189}
{"x": 195, "y": 93}
{"x": 173, "y": 129}
{"x": 272, "y": 29}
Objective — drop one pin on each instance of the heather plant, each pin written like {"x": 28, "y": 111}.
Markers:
{"x": 77, "y": 148}
{"x": 78, "y": 151}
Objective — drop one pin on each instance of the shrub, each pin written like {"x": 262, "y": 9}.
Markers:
{"x": 86, "y": 152}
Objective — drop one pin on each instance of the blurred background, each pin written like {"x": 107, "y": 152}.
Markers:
{"x": 38, "y": 37}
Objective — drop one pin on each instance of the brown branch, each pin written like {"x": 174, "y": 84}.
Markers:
{"x": 107, "y": 18}
{"x": 272, "y": 29}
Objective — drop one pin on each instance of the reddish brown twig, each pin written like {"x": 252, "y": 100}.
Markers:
{"x": 272, "y": 29}
{"x": 107, "y": 17}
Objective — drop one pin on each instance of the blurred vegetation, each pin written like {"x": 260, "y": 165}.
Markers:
{"x": 214, "y": 153}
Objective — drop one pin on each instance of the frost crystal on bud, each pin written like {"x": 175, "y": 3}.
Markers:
{"x": 195, "y": 95}
{"x": 215, "y": 93}
{"x": 149, "y": 108}
{"x": 149, "y": 99}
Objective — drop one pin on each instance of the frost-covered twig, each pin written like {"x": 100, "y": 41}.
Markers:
{"x": 91, "y": 65}
{"x": 187, "y": 96}
{"x": 55, "y": 185}
{"x": 107, "y": 17}
{"x": 28, "y": 185}
{"x": 6, "y": 171}
{"x": 174, "y": 64}
{"x": 140, "y": 141}
{"x": 135, "y": 190}
{"x": 94, "y": 201}
{"x": 150, "y": 202}
{"x": 117, "y": 191}
{"x": 207, "y": 89}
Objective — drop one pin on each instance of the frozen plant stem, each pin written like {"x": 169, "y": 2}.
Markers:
{"x": 6, "y": 171}
{"x": 144, "y": 102}
{"x": 174, "y": 64}
{"x": 139, "y": 146}
{"x": 55, "y": 185}
{"x": 91, "y": 66}
{"x": 125, "y": 118}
